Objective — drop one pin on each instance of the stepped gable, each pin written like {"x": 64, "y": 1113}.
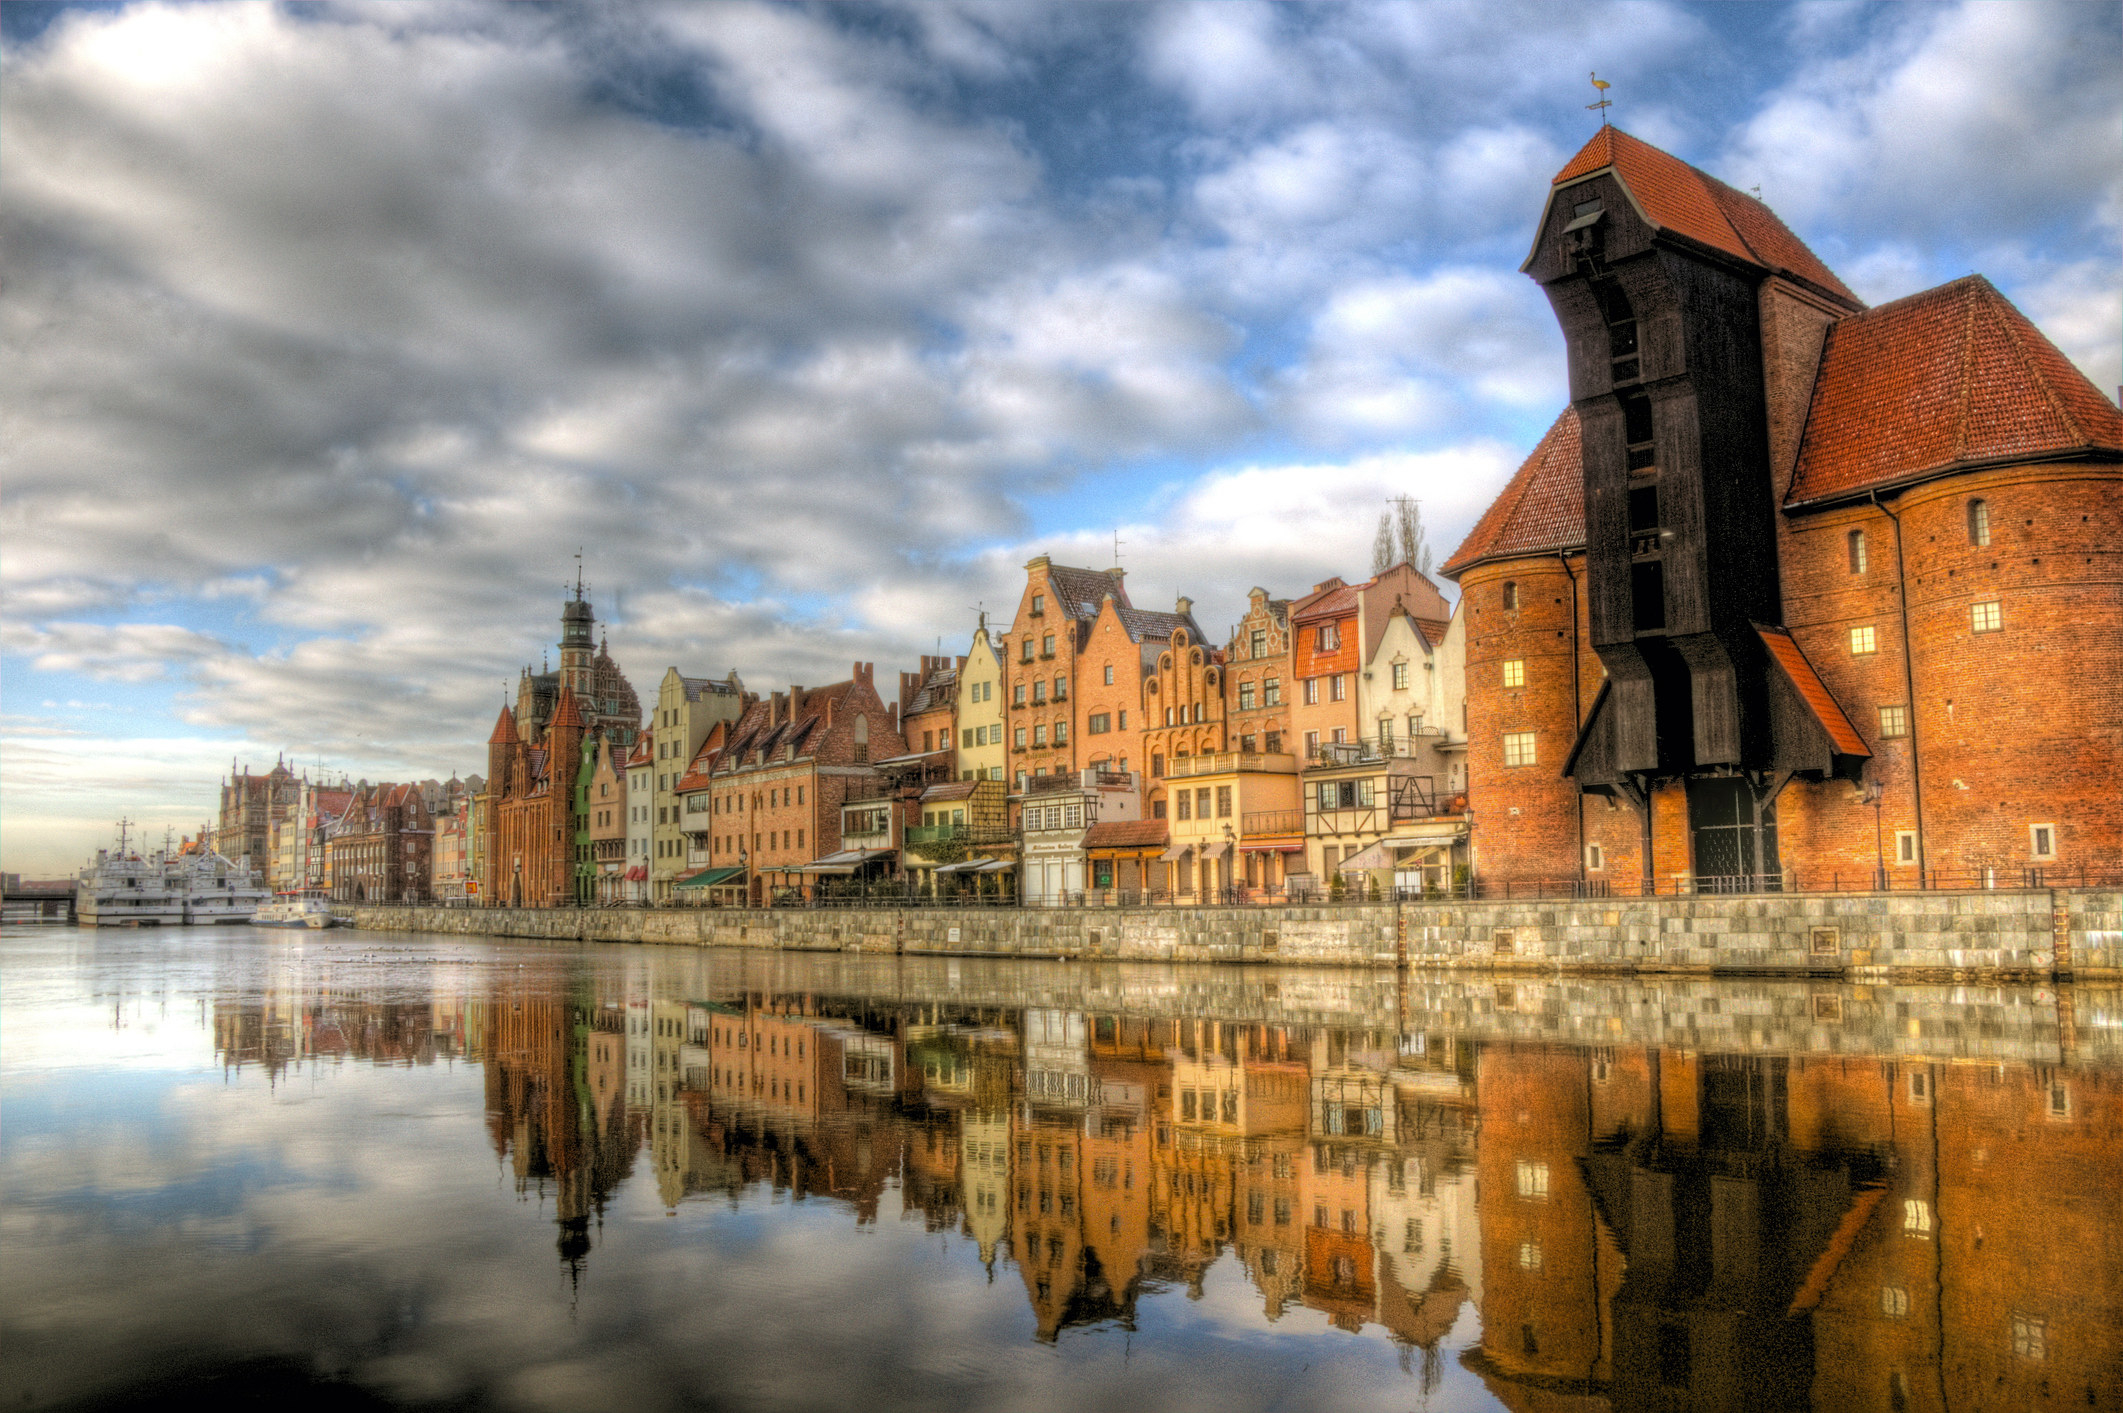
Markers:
{"x": 1945, "y": 380}
{"x": 1689, "y": 202}
{"x": 1541, "y": 509}
{"x": 504, "y": 730}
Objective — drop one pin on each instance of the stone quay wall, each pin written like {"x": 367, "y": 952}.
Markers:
{"x": 2025, "y": 934}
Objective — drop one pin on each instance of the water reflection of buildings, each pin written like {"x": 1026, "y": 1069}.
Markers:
{"x": 1588, "y": 1228}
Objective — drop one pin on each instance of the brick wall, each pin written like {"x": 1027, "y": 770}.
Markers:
{"x": 1526, "y": 816}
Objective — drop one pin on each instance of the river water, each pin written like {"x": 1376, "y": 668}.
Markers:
{"x": 365, "y": 1170}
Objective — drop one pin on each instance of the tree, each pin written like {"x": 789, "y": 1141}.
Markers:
{"x": 1382, "y": 547}
{"x": 1408, "y": 519}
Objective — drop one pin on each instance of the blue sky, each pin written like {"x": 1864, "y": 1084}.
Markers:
{"x": 332, "y": 333}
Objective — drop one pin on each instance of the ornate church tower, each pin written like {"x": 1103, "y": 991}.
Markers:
{"x": 578, "y": 650}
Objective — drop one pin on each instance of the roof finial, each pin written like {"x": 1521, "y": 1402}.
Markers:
{"x": 1605, "y": 102}
{"x": 578, "y": 572}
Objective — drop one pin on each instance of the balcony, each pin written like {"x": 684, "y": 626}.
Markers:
{"x": 1331, "y": 755}
{"x": 1260, "y": 823}
{"x": 920, "y": 834}
{"x": 1225, "y": 762}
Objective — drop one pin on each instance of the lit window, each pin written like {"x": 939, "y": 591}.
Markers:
{"x": 1916, "y": 1217}
{"x": 1862, "y": 641}
{"x": 1979, "y": 522}
{"x": 1529, "y": 1255}
{"x": 1518, "y": 748}
{"x": 2030, "y": 1333}
{"x": 1986, "y": 617}
{"x": 1894, "y": 1301}
{"x": 1515, "y": 672}
{"x": 1894, "y": 721}
{"x": 1533, "y": 1179}
{"x": 1857, "y": 551}
{"x": 2042, "y": 840}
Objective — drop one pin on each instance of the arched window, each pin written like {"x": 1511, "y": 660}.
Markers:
{"x": 1511, "y": 597}
{"x": 1979, "y": 522}
{"x": 1857, "y": 551}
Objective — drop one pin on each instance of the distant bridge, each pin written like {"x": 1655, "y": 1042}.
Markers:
{"x": 37, "y": 901}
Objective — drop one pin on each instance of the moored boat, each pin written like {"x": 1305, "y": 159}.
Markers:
{"x": 297, "y": 910}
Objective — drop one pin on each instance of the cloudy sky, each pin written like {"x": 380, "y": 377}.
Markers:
{"x": 331, "y": 333}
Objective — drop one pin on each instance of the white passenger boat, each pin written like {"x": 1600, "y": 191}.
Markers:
{"x": 127, "y": 888}
{"x": 297, "y": 910}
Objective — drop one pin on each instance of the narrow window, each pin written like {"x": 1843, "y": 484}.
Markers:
{"x": 1515, "y": 672}
{"x": 1109, "y": 674}
{"x": 1905, "y": 846}
{"x": 1039, "y": 603}
{"x": 1511, "y": 597}
{"x": 1986, "y": 617}
{"x": 1340, "y": 688}
{"x": 2042, "y": 840}
{"x": 1400, "y": 677}
{"x": 1861, "y": 640}
{"x": 1857, "y": 551}
{"x": 1979, "y": 522}
{"x": 1595, "y": 858}
{"x": 1312, "y": 691}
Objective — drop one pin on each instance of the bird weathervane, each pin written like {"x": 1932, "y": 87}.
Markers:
{"x": 1604, "y": 102}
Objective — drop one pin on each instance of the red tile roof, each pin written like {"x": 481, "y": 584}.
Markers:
{"x": 1337, "y": 602}
{"x": 566, "y": 713}
{"x": 1126, "y": 834}
{"x": 1841, "y": 734}
{"x": 1541, "y": 509}
{"x": 1692, "y": 203}
{"x": 1951, "y": 377}
{"x": 504, "y": 729}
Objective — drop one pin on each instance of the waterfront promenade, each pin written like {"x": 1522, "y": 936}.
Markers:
{"x": 2034, "y": 934}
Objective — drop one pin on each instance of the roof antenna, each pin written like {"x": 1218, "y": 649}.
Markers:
{"x": 1605, "y": 102}
{"x": 1117, "y": 543}
{"x": 578, "y": 572}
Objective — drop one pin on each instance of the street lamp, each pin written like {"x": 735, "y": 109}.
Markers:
{"x": 1230, "y": 860}
{"x": 1871, "y": 793}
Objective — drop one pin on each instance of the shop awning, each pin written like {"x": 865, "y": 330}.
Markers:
{"x": 978, "y": 866}
{"x": 711, "y": 878}
{"x": 846, "y": 861}
{"x": 1177, "y": 851}
{"x": 639, "y": 873}
{"x": 1385, "y": 852}
{"x": 1216, "y": 848}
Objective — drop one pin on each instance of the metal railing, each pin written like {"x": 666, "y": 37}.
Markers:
{"x": 1224, "y": 762}
{"x": 896, "y": 894}
{"x": 1258, "y": 822}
